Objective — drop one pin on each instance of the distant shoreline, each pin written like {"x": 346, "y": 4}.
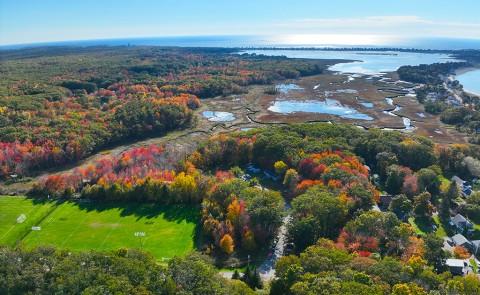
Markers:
{"x": 463, "y": 71}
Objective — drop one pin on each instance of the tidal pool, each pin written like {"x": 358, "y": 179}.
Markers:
{"x": 286, "y": 88}
{"x": 215, "y": 116}
{"x": 366, "y": 104}
{"x": 421, "y": 115}
{"x": 328, "y": 106}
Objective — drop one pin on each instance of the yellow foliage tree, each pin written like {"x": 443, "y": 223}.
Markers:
{"x": 280, "y": 167}
{"x": 291, "y": 179}
{"x": 408, "y": 289}
{"x": 417, "y": 264}
{"x": 226, "y": 244}
{"x": 233, "y": 211}
{"x": 184, "y": 187}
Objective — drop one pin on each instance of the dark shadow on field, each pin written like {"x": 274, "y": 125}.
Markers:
{"x": 171, "y": 213}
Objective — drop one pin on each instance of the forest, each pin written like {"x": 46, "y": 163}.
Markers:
{"x": 332, "y": 175}
{"x": 60, "y": 105}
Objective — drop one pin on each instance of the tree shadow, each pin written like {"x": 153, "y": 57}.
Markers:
{"x": 424, "y": 224}
{"x": 177, "y": 213}
{"x": 445, "y": 222}
{"x": 172, "y": 213}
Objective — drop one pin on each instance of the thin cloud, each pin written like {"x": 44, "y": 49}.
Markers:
{"x": 404, "y": 25}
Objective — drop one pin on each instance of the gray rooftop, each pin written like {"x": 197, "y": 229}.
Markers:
{"x": 455, "y": 262}
{"x": 459, "y": 240}
{"x": 459, "y": 218}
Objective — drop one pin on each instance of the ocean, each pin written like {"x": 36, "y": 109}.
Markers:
{"x": 263, "y": 41}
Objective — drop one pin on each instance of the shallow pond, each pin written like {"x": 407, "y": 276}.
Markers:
{"x": 328, "y": 106}
{"x": 286, "y": 88}
{"x": 215, "y": 116}
{"x": 366, "y": 104}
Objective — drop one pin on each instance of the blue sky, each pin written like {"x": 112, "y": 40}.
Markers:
{"x": 28, "y": 21}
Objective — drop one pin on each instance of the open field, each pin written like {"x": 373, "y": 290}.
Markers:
{"x": 169, "y": 231}
{"x": 10, "y": 210}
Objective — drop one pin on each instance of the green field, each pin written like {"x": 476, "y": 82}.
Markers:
{"x": 11, "y": 208}
{"x": 169, "y": 230}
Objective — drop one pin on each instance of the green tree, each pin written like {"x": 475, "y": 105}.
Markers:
{"x": 291, "y": 179}
{"x": 384, "y": 160}
{"x": 395, "y": 177}
{"x": 472, "y": 207}
{"x": 434, "y": 253}
{"x": 315, "y": 214}
{"x": 446, "y": 203}
{"x": 422, "y": 206}
{"x": 429, "y": 181}
{"x": 401, "y": 206}
{"x": 252, "y": 278}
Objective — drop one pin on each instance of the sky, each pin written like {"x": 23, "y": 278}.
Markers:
{"x": 31, "y": 21}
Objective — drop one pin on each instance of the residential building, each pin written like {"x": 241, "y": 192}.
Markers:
{"x": 461, "y": 223}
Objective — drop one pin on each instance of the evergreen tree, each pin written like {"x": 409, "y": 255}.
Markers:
{"x": 447, "y": 199}
{"x": 236, "y": 275}
{"x": 252, "y": 278}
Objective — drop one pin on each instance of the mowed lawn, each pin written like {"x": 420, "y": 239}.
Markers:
{"x": 11, "y": 208}
{"x": 169, "y": 230}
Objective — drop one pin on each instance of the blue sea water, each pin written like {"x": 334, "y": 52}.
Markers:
{"x": 369, "y": 63}
{"x": 258, "y": 41}
{"x": 470, "y": 81}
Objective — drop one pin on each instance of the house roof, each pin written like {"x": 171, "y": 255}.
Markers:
{"x": 455, "y": 262}
{"x": 459, "y": 218}
{"x": 459, "y": 240}
{"x": 476, "y": 243}
{"x": 458, "y": 180}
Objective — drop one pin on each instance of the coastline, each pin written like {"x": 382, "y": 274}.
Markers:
{"x": 463, "y": 71}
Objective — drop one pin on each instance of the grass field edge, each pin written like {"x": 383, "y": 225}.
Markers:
{"x": 27, "y": 230}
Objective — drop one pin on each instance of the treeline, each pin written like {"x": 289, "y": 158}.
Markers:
{"x": 327, "y": 268}
{"x": 77, "y": 134}
{"x": 429, "y": 74}
{"x": 46, "y": 270}
{"x": 236, "y": 215}
{"x": 330, "y": 185}
{"x": 366, "y": 49}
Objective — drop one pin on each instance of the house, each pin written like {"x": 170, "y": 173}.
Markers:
{"x": 460, "y": 240}
{"x": 461, "y": 223}
{"x": 457, "y": 266}
{"x": 464, "y": 188}
{"x": 460, "y": 182}
{"x": 476, "y": 247}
